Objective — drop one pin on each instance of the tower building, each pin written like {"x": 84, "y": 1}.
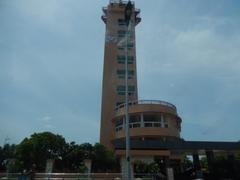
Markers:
{"x": 148, "y": 119}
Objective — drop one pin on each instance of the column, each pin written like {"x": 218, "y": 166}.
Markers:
{"x": 196, "y": 164}
{"x": 142, "y": 120}
{"x": 169, "y": 170}
{"x": 210, "y": 160}
{"x": 162, "y": 121}
{"x": 88, "y": 164}
{"x": 233, "y": 169}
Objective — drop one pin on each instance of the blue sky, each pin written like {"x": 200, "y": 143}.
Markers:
{"x": 51, "y": 59}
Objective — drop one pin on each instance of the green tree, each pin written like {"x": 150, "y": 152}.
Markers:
{"x": 144, "y": 168}
{"x": 103, "y": 160}
{"x": 33, "y": 152}
{"x": 140, "y": 167}
{"x": 40, "y": 147}
{"x": 1, "y": 159}
{"x": 72, "y": 160}
{"x": 7, "y": 154}
{"x": 204, "y": 163}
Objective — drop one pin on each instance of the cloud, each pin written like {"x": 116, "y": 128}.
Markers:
{"x": 51, "y": 59}
{"x": 198, "y": 53}
{"x": 46, "y": 120}
{"x": 49, "y": 126}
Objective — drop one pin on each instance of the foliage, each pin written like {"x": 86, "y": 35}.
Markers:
{"x": 7, "y": 153}
{"x": 103, "y": 159}
{"x": 225, "y": 168}
{"x": 72, "y": 160}
{"x": 32, "y": 154}
{"x": 204, "y": 163}
{"x": 144, "y": 168}
{"x": 187, "y": 163}
{"x": 35, "y": 151}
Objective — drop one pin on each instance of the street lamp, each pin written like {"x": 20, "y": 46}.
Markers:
{"x": 128, "y": 14}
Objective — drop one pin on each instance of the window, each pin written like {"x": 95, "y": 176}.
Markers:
{"x": 118, "y": 103}
{"x": 121, "y": 90}
{"x": 152, "y": 121}
{"x": 121, "y": 22}
{"x": 122, "y": 47}
{"x": 119, "y": 122}
{"x": 121, "y": 59}
{"x": 152, "y": 118}
{"x": 157, "y": 124}
{"x": 119, "y": 125}
{"x": 179, "y": 124}
{"x": 121, "y": 74}
{"x": 133, "y": 119}
{"x": 131, "y": 88}
{"x": 122, "y": 33}
{"x": 148, "y": 124}
{"x": 134, "y": 125}
{"x": 165, "y": 123}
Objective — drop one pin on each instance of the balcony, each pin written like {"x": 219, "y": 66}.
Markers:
{"x": 104, "y": 9}
{"x": 119, "y": 2}
{"x": 147, "y": 102}
{"x": 104, "y": 18}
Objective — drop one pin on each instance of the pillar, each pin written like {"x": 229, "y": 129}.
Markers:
{"x": 210, "y": 160}
{"x": 196, "y": 164}
{"x": 88, "y": 164}
{"x": 162, "y": 121}
{"x": 142, "y": 120}
{"x": 169, "y": 170}
{"x": 124, "y": 126}
{"x": 232, "y": 164}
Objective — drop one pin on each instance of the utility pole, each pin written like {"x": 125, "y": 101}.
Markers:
{"x": 128, "y": 14}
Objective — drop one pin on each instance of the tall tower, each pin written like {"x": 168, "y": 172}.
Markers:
{"x": 113, "y": 88}
{"x": 150, "y": 121}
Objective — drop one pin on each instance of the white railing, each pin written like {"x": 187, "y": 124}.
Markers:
{"x": 131, "y": 103}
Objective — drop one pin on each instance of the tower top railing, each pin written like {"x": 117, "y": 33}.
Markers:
{"x": 137, "y": 102}
{"x": 119, "y": 2}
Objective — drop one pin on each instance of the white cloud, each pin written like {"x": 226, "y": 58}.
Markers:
{"x": 49, "y": 126}
{"x": 185, "y": 55}
{"x": 46, "y": 118}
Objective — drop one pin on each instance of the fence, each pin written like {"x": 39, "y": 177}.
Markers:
{"x": 75, "y": 176}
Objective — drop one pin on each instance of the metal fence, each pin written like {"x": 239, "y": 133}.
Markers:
{"x": 75, "y": 176}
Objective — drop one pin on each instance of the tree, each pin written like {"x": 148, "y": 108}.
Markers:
{"x": 187, "y": 163}
{"x": 7, "y": 154}
{"x": 144, "y": 168}
{"x": 33, "y": 152}
{"x": 40, "y": 147}
{"x": 72, "y": 160}
{"x": 140, "y": 167}
{"x": 103, "y": 159}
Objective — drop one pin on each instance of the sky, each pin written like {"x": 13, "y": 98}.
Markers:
{"x": 51, "y": 65}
